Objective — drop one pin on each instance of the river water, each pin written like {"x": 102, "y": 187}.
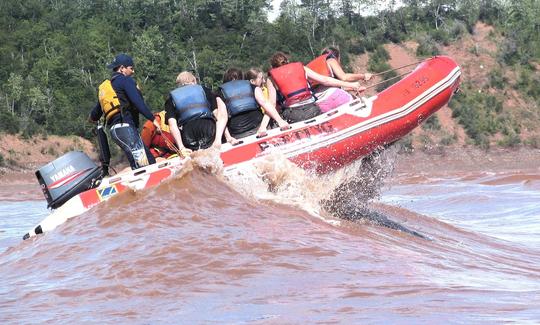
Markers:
{"x": 284, "y": 247}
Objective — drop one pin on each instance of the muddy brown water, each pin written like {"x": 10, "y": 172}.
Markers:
{"x": 204, "y": 249}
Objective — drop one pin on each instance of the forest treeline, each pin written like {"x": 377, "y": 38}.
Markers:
{"x": 54, "y": 52}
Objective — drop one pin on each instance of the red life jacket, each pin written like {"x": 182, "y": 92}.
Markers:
{"x": 159, "y": 146}
{"x": 292, "y": 83}
{"x": 320, "y": 66}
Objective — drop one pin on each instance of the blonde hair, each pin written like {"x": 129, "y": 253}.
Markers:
{"x": 252, "y": 73}
{"x": 185, "y": 77}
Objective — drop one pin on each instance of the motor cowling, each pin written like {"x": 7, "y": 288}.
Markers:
{"x": 67, "y": 176}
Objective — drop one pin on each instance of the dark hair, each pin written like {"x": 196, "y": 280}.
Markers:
{"x": 233, "y": 74}
{"x": 331, "y": 50}
{"x": 252, "y": 73}
{"x": 279, "y": 59}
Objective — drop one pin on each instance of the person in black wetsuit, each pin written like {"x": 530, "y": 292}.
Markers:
{"x": 123, "y": 119}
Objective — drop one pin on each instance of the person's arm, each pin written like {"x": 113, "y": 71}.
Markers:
{"x": 173, "y": 126}
{"x": 264, "y": 125}
{"x": 136, "y": 98}
{"x": 221, "y": 121}
{"x": 230, "y": 139}
{"x": 95, "y": 114}
{"x": 332, "y": 82}
{"x": 269, "y": 109}
{"x": 219, "y": 94}
{"x": 336, "y": 68}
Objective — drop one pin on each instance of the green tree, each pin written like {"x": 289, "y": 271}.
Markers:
{"x": 14, "y": 91}
{"x": 147, "y": 48}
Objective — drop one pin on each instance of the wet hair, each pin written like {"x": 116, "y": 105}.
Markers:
{"x": 185, "y": 77}
{"x": 252, "y": 73}
{"x": 233, "y": 74}
{"x": 331, "y": 50}
{"x": 279, "y": 59}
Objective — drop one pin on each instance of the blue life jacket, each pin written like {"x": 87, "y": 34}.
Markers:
{"x": 239, "y": 97}
{"x": 191, "y": 103}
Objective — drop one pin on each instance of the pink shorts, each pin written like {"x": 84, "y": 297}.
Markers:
{"x": 332, "y": 98}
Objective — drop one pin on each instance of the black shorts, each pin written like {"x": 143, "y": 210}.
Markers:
{"x": 300, "y": 113}
{"x": 199, "y": 134}
{"x": 245, "y": 124}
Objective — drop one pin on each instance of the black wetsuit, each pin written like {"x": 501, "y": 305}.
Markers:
{"x": 123, "y": 126}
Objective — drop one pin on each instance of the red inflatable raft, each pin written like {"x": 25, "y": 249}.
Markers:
{"x": 354, "y": 130}
{"x": 322, "y": 144}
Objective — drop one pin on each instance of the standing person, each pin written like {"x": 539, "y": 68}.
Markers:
{"x": 329, "y": 64}
{"x": 196, "y": 111}
{"x": 290, "y": 81}
{"x": 244, "y": 101}
{"x": 161, "y": 144}
{"x": 121, "y": 102}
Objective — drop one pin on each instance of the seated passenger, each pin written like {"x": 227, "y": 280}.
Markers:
{"x": 329, "y": 64}
{"x": 258, "y": 82}
{"x": 290, "y": 80}
{"x": 161, "y": 144}
{"x": 242, "y": 108}
{"x": 197, "y": 112}
{"x": 244, "y": 101}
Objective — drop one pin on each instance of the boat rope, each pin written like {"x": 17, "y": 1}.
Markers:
{"x": 180, "y": 152}
{"x": 386, "y": 80}
{"x": 172, "y": 146}
{"x": 401, "y": 67}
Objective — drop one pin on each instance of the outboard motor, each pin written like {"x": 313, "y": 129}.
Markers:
{"x": 67, "y": 176}
{"x": 104, "y": 151}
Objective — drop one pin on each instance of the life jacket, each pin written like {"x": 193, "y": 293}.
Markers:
{"x": 239, "y": 97}
{"x": 266, "y": 94}
{"x": 265, "y": 91}
{"x": 191, "y": 103}
{"x": 162, "y": 122}
{"x": 292, "y": 83}
{"x": 320, "y": 66}
{"x": 159, "y": 146}
{"x": 108, "y": 99}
